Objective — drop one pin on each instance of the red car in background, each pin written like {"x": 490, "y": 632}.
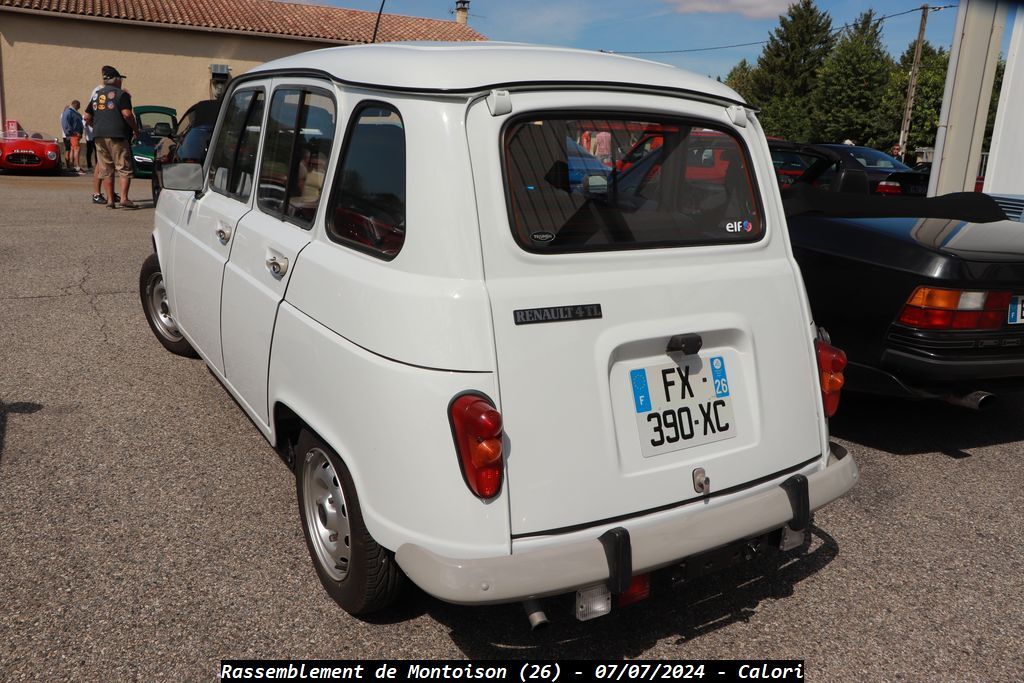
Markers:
{"x": 709, "y": 152}
{"x": 23, "y": 151}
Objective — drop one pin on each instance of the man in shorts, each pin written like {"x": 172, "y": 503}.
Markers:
{"x": 114, "y": 127}
{"x": 71, "y": 126}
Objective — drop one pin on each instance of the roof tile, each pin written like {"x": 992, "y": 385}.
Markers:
{"x": 260, "y": 16}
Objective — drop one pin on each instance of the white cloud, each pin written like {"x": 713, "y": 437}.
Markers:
{"x": 753, "y": 9}
{"x": 541, "y": 22}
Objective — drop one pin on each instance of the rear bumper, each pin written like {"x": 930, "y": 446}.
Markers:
{"x": 953, "y": 369}
{"x": 561, "y": 568}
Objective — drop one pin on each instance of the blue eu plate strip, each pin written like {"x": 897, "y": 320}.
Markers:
{"x": 641, "y": 396}
{"x": 719, "y": 377}
{"x": 1014, "y": 308}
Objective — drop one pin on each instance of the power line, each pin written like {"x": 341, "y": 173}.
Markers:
{"x": 762, "y": 42}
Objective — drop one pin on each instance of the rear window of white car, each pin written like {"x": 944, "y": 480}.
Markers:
{"x": 608, "y": 183}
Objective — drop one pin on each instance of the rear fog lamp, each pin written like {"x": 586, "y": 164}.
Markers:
{"x": 593, "y": 602}
{"x": 639, "y": 589}
{"x": 930, "y": 308}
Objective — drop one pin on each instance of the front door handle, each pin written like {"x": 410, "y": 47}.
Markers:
{"x": 223, "y": 232}
{"x": 277, "y": 266}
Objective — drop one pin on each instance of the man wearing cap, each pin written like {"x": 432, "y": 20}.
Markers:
{"x": 114, "y": 127}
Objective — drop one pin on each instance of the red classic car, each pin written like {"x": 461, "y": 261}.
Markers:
{"x": 23, "y": 151}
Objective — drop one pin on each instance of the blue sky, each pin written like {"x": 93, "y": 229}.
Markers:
{"x": 637, "y": 25}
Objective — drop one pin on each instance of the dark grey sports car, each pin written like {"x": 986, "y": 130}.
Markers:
{"x": 926, "y": 296}
{"x": 845, "y": 168}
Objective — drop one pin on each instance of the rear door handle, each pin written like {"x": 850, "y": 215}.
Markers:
{"x": 223, "y": 232}
{"x": 277, "y": 266}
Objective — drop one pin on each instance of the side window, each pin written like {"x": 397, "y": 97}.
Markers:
{"x": 234, "y": 153}
{"x": 184, "y": 125}
{"x": 300, "y": 132}
{"x": 367, "y": 209}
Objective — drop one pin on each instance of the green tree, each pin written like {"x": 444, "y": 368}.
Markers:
{"x": 741, "y": 78}
{"x": 851, "y": 86}
{"x": 787, "y": 69}
{"x": 931, "y": 85}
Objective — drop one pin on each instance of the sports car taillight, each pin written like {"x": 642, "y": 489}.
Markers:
{"x": 888, "y": 187}
{"x": 929, "y": 308}
{"x": 476, "y": 427}
{"x": 831, "y": 363}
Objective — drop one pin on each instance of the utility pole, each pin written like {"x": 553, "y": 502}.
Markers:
{"x": 909, "y": 109}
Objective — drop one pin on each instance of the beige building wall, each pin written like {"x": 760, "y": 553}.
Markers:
{"x": 47, "y": 61}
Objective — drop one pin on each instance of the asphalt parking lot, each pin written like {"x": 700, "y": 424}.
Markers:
{"x": 147, "y": 530}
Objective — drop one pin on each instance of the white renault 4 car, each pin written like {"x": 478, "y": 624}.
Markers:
{"x": 525, "y": 321}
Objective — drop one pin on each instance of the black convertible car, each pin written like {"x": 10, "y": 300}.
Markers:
{"x": 926, "y": 296}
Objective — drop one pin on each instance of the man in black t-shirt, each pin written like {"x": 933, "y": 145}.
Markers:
{"x": 114, "y": 127}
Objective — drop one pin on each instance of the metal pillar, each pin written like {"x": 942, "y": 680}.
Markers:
{"x": 1003, "y": 175}
{"x": 965, "y": 103}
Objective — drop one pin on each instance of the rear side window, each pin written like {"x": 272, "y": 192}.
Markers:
{"x": 367, "y": 210}
{"x": 300, "y": 132}
{"x": 600, "y": 184}
{"x": 234, "y": 154}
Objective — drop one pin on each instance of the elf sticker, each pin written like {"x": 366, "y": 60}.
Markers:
{"x": 739, "y": 226}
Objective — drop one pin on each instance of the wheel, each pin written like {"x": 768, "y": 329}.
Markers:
{"x": 153, "y": 294}
{"x": 359, "y": 574}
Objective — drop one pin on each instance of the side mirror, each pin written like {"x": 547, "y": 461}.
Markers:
{"x": 184, "y": 176}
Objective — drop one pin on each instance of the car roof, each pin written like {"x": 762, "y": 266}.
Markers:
{"x": 154, "y": 108}
{"x": 481, "y": 66}
{"x": 205, "y": 112}
{"x": 839, "y": 147}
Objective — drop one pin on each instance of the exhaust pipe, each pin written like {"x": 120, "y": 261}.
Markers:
{"x": 535, "y": 614}
{"x": 976, "y": 400}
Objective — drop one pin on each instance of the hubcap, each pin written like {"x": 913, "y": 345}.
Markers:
{"x": 326, "y": 514}
{"x": 158, "y": 308}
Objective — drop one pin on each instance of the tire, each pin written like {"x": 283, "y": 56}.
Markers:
{"x": 155, "y": 190}
{"x": 154, "y": 302}
{"x": 361, "y": 576}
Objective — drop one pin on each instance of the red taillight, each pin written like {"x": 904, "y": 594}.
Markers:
{"x": 476, "y": 426}
{"x": 831, "y": 363}
{"x": 639, "y": 589}
{"x": 888, "y": 187}
{"x": 930, "y": 308}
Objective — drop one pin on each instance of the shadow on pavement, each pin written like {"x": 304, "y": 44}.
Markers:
{"x": 905, "y": 427}
{"x": 689, "y": 611}
{"x": 16, "y": 409}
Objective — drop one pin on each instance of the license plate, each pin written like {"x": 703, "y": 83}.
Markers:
{"x": 1015, "y": 316}
{"x": 682, "y": 406}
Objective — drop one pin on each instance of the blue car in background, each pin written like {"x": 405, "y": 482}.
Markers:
{"x": 582, "y": 164}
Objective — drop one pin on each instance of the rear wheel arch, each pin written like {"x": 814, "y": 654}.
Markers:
{"x": 288, "y": 420}
{"x": 373, "y": 581}
{"x": 286, "y": 425}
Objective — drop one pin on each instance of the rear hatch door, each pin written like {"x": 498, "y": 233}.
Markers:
{"x": 602, "y": 287}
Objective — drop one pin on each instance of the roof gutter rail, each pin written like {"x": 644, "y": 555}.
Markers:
{"x": 483, "y": 90}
